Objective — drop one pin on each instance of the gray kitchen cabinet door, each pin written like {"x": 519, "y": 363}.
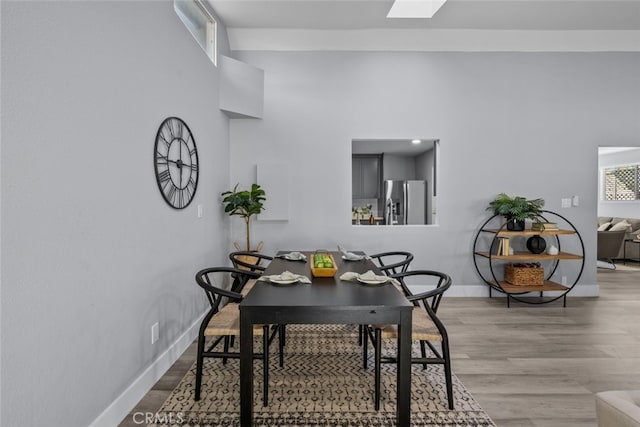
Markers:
{"x": 365, "y": 177}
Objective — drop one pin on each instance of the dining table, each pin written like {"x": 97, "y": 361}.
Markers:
{"x": 326, "y": 300}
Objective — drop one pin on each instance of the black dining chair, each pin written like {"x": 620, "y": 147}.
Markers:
{"x": 252, "y": 261}
{"x": 388, "y": 263}
{"x": 255, "y": 262}
{"x": 427, "y": 328}
{"x": 393, "y": 262}
{"x": 249, "y": 260}
{"x": 223, "y": 322}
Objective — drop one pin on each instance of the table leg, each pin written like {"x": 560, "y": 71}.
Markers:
{"x": 403, "y": 381}
{"x": 246, "y": 370}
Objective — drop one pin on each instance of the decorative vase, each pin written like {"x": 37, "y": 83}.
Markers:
{"x": 536, "y": 244}
{"x": 553, "y": 250}
{"x": 515, "y": 224}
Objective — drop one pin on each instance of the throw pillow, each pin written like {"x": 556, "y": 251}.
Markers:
{"x": 635, "y": 224}
{"x": 604, "y": 227}
{"x": 619, "y": 226}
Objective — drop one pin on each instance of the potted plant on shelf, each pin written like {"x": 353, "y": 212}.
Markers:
{"x": 516, "y": 210}
{"x": 244, "y": 203}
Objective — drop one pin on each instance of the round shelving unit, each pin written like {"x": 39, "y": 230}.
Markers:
{"x": 491, "y": 257}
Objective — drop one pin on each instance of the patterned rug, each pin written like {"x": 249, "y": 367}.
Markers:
{"x": 322, "y": 384}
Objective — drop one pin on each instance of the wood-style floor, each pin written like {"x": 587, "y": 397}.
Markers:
{"x": 526, "y": 365}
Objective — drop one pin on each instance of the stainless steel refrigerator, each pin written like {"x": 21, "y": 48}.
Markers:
{"x": 405, "y": 202}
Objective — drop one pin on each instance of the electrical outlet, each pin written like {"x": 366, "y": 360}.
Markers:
{"x": 155, "y": 333}
{"x": 199, "y": 211}
{"x": 575, "y": 201}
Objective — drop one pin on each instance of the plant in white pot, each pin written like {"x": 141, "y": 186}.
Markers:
{"x": 246, "y": 204}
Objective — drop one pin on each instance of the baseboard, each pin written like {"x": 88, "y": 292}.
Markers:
{"x": 482, "y": 291}
{"x": 119, "y": 408}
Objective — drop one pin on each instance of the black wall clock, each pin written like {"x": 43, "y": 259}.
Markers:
{"x": 176, "y": 162}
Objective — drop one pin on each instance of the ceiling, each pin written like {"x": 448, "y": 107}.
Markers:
{"x": 543, "y": 25}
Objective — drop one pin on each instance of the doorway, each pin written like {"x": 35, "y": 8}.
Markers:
{"x": 618, "y": 208}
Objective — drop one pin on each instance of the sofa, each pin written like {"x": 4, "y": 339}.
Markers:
{"x": 618, "y": 408}
{"x": 631, "y": 226}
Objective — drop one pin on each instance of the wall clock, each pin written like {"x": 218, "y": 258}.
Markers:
{"x": 176, "y": 162}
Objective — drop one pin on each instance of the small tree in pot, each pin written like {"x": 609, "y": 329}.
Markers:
{"x": 516, "y": 210}
{"x": 244, "y": 203}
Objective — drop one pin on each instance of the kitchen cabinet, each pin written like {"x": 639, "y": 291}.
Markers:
{"x": 366, "y": 179}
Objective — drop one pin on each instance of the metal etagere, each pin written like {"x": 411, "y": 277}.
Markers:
{"x": 557, "y": 283}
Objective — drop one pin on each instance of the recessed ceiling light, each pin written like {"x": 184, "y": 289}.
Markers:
{"x": 416, "y": 141}
{"x": 414, "y": 8}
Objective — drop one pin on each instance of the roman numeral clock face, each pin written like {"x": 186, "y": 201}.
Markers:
{"x": 176, "y": 163}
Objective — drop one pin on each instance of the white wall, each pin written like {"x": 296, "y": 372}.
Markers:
{"x": 630, "y": 209}
{"x": 92, "y": 256}
{"x": 525, "y": 124}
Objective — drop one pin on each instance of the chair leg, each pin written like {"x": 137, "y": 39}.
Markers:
{"x": 447, "y": 372}
{"x": 360, "y": 334}
{"x": 378, "y": 355}
{"x": 423, "y": 351}
{"x": 365, "y": 346}
{"x": 226, "y": 348}
{"x": 265, "y": 365}
{"x": 199, "y": 364}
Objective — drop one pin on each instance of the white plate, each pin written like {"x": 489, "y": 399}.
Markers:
{"x": 353, "y": 258}
{"x": 371, "y": 282}
{"x": 293, "y": 257}
{"x": 283, "y": 281}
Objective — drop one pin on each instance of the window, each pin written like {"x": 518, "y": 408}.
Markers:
{"x": 622, "y": 183}
{"x": 200, "y": 24}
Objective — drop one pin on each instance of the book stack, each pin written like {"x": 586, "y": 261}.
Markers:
{"x": 542, "y": 226}
{"x": 503, "y": 246}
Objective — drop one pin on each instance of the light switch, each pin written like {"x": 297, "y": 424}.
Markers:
{"x": 566, "y": 202}
{"x": 199, "y": 211}
{"x": 575, "y": 201}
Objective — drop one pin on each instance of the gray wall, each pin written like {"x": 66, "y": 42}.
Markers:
{"x": 629, "y": 209}
{"x": 91, "y": 254}
{"x": 525, "y": 124}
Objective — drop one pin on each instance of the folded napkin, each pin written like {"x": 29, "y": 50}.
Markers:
{"x": 350, "y": 256}
{"x": 369, "y": 276}
{"x": 285, "y": 277}
{"x": 293, "y": 256}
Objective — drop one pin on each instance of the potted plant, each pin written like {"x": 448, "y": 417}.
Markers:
{"x": 244, "y": 203}
{"x": 516, "y": 210}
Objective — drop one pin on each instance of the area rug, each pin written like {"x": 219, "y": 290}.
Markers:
{"x": 322, "y": 383}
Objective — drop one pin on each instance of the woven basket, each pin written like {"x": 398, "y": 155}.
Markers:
{"x": 524, "y": 276}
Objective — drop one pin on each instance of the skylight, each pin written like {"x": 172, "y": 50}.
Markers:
{"x": 414, "y": 8}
